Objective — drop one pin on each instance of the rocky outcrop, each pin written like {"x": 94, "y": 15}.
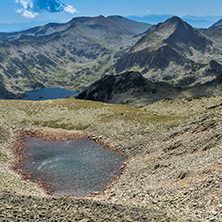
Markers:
{"x": 126, "y": 87}
{"x": 132, "y": 88}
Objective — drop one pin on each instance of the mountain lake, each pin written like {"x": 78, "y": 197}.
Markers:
{"x": 77, "y": 167}
{"x": 49, "y": 93}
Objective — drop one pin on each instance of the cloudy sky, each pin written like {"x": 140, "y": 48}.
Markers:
{"x": 18, "y": 11}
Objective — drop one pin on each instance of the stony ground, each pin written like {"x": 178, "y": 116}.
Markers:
{"x": 174, "y": 173}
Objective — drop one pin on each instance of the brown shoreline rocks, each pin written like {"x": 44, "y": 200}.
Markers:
{"x": 48, "y": 134}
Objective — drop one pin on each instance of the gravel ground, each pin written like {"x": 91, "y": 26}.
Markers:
{"x": 174, "y": 172}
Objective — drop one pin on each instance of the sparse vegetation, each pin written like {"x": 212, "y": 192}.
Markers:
{"x": 174, "y": 172}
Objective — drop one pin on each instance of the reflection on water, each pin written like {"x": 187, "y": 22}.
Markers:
{"x": 75, "y": 167}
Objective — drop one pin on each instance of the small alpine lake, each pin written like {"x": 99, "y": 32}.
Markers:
{"x": 49, "y": 93}
{"x": 76, "y": 167}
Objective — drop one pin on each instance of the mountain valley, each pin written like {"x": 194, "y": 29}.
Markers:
{"x": 75, "y": 54}
{"x": 67, "y": 55}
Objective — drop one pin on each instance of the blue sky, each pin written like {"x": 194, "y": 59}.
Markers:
{"x": 21, "y": 11}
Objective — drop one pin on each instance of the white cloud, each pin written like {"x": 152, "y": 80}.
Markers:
{"x": 25, "y": 9}
{"x": 70, "y": 9}
{"x": 29, "y": 14}
{"x": 31, "y": 8}
{"x": 25, "y": 3}
{"x": 147, "y": 12}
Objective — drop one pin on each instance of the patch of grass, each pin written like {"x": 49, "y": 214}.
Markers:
{"x": 127, "y": 113}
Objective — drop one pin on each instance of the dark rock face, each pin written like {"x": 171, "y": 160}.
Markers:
{"x": 127, "y": 86}
{"x": 164, "y": 55}
{"x": 214, "y": 69}
{"x": 160, "y": 58}
{"x": 104, "y": 89}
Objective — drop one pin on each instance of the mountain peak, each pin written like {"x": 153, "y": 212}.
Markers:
{"x": 174, "y": 19}
{"x": 175, "y": 32}
{"x": 171, "y": 42}
{"x": 100, "y": 16}
{"x": 176, "y": 22}
{"x": 170, "y": 26}
{"x": 181, "y": 33}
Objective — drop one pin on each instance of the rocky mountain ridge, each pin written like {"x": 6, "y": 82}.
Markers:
{"x": 218, "y": 24}
{"x": 65, "y": 55}
{"x": 77, "y": 53}
{"x": 176, "y": 53}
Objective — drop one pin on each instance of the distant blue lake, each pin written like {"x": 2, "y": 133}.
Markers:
{"x": 75, "y": 167}
{"x": 49, "y": 93}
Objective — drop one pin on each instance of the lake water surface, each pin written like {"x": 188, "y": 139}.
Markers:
{"x": 75, "y": 167}
{"x": 49, "y": 93}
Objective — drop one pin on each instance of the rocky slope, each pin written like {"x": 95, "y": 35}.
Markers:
{"x": 218, "y": 24}
{"x": 175, "y": 52}
{"x": 174, "y": 172}
{"x": 66, "y": 55}
{"x": 214, "y": 32}
{"x": 3, "y": 92}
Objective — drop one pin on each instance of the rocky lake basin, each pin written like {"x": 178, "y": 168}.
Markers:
{"x": 77, "y": 167}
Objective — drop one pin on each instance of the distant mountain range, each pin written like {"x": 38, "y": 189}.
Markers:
{"x": 195, "y": 21}
{"x": 16, "y": 27}
{"x": 75, "y": 54}
{"x": 67, "y": 55}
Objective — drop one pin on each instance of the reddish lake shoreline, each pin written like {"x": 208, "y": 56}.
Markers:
{"x": 18, "y": 146}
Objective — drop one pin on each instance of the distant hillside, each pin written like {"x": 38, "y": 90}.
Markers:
{"x": 66, "y": 55}
{"x": 99, "y": 27}
{"x": 16, "y": 27}
{"x": 195, "y": 21}
{"x": 4, "y": 93}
